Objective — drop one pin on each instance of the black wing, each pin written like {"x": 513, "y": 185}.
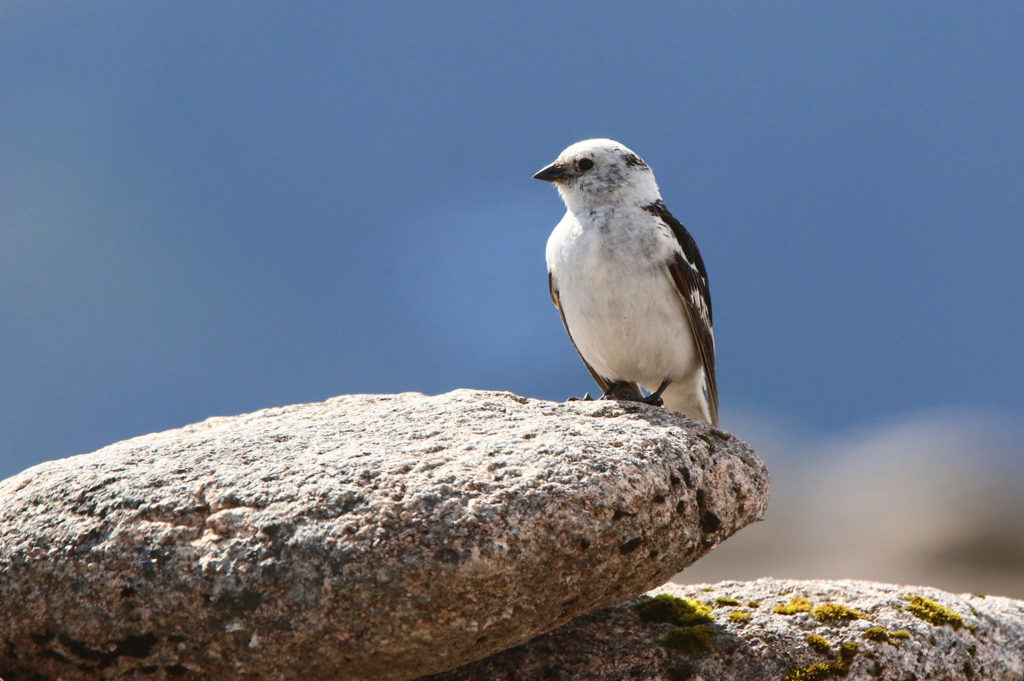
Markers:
{"x": 691, "y": 279}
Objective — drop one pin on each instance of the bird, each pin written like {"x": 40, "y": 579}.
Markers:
{"x": 630, "y": 283}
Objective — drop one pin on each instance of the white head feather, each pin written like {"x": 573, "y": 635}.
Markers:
{"x": 601, "y": 171}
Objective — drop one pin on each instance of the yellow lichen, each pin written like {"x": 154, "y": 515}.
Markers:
{"x": 835, "y": 612}
{"x": 674, "y": 610}
{"x": 885, "y": 636}
{"x": 877, "y": 634}
{"x": 819, "y": 643}
{"x": 823, "y": 670}
{"x": 933, "y": 613}
{"x": 797, "y": 604}
{"x": 815, "y": 672}
{"x": 739, "y": 616}
{"x": 690, "y": 640}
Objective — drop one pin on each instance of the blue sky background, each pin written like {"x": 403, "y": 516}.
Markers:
{"x": 210, "y": 208}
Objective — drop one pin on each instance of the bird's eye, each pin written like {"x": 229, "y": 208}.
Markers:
{"x": 586, "y": 164}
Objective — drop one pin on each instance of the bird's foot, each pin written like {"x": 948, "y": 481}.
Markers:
{"x": 623, "y": 391}
{"x": 654, "y": 399}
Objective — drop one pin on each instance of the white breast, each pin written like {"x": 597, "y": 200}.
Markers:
{"x": 621, "y": 306}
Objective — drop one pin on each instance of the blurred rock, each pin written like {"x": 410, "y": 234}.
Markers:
{"x": 857, "y": 630}
{"x": 926, "y": 499}
{"x": 367, "y": 537}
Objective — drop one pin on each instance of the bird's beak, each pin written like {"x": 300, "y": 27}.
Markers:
{"x": 552, "y": 173}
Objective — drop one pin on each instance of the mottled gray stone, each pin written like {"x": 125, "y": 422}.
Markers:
{"x": 616, "y": 643}
{"x": 366, "y": 537}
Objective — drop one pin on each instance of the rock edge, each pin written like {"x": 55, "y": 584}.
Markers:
{"x": 366, "y": 537}
{"x": 761, "y": 630}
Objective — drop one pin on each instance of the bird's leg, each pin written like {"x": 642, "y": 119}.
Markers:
{"x": 655, "y": 397}
{"x": 623, "y": 391}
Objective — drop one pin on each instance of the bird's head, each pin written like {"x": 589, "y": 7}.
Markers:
{"x": 600, "y": 171}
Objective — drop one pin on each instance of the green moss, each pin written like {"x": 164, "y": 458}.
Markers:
{"x": 877, "y": 634}
{"x": 933, "y": 613}
{"x": 847, "y": 651}
{"x": 797, "y": 604}
{"x": 739, "y": 616}
{"x": 722, "y": 600}
{"x": 819, "y": 643}
{"x": 815, "y": 672}
{"x": 885, "y": 636}
{"x": 690, "y": 640}
{"x": 968, "y": 671}
{"x": 674, "y": 610}
{"x": 823, "y": 670}
{"x": 754, "y": 604}
{"x": 834, "y": 612}
{"x": 681, "y": 672}
{"x": 693, "y": 632}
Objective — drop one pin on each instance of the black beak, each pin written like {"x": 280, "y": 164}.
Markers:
{"x": 552, "y": 173}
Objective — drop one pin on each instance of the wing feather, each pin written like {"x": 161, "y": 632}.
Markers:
{"x": 691, "y": 279}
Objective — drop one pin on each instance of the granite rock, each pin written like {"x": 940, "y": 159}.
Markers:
{"x": 777, "y": 630}
{"x": 366, "y": 537}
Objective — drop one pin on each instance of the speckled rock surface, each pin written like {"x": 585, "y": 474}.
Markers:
{"x": 750, "y": 641}
{"x": 366, "y": 537}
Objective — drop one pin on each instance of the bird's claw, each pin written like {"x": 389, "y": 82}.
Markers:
{"x": 623, "y": 391}
{"x": 654, "y": 399}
